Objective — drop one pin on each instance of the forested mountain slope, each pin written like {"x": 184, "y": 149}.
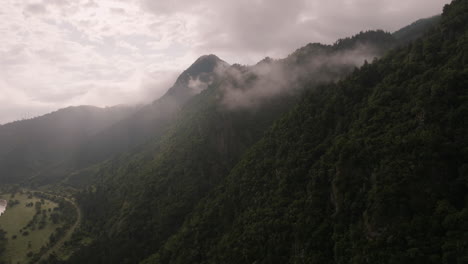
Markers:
{"x": 53, "y": 147}
{"x": 29, "y": 148}
{"x": 151, "y": 120}
{"x": 141, "y": 198}
{"x": 373, "y": 169}
{"x": 416, "y": 30}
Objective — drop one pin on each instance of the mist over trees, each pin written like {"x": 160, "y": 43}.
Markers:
{"x": 354, "y": 152}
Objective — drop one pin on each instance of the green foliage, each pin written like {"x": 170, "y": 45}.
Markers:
{"x": 30, "y": 227}
{"x": 370, "y": 170}
{"x": 3, "y": 242}
{"x": 142, "y": 198}
{"x": 42, "y": 147}
{"x": 416, "y": 29}
{"x": 63, "y": 146}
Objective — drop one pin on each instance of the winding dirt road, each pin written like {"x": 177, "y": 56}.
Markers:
{"x": 69, "y": 232}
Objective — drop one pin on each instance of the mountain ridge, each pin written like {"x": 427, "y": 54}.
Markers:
{"x": 244, "y": 164}
{"x": 371, "y": 169}
{"x": 166, "y": 180}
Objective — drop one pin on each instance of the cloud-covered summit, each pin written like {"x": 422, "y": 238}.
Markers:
{"x": 56, "y": 53}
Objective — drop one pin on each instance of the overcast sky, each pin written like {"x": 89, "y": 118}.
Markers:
{"x": 56, "y": 53}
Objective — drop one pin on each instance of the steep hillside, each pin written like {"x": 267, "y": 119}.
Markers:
{"x": 142, "y": 198}
{"x": 152, "y": 120}
{"x": 416, "y": 29}
{"x": 59, "y": 145}
{"x": 372, "y": 169}
{"x": 32, "y": 147}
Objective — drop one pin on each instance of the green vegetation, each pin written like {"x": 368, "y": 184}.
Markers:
{"x": 27, "y": 230}
{"x": 32, "y": 223}
{"x": 416, "y": 29}
{"x": 370, "y": 170}
{"x": 3, "y": 242}
{"x": 141, "y": 199}
{"x": 62, "y": 146}
{"x": 43, "y": 149}
{"x": 335, "y": 164}
{"x": 313, "y": 189}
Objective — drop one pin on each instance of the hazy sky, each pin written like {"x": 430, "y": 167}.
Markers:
{"x": 56, "y": 53}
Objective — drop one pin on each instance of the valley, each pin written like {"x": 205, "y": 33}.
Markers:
{"x": 344, "y": 153}
{"x": 36, "y": 224}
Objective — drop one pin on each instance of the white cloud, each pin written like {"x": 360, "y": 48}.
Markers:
{"x": 56, "y": 53}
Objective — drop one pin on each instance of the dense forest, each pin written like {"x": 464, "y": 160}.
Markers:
{"x": 154, "y": 189}
{"x": 355, "y": 152}
{"x": 372, "y": 169}
{"x": 3, "y": 240}
{"x": 40, "y": 147}
{"x": 367, "y": 169}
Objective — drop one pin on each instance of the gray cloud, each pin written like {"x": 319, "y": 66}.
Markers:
{"x": 57, "y": 2}
{"x": 36, "y": 8}
{"x": 90, "y": 4}
{"x": 56, "y": 53}
{"x": 251, "y": 29}
{"x": 119, "y": 11}
{"x": 247, "y": 87}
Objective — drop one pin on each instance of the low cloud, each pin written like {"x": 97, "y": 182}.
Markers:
{"x": 56, "y": 53}
{"x": 197, "y": 86}
{"x": 245, "y": 31}
{"x": 248, "y": 87}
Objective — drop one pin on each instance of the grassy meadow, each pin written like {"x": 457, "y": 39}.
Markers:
{"x": 25, "y": 235}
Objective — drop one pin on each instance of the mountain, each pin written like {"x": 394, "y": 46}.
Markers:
{"x": 65, "y": 144}
{"x": 152, "y": 120}
{"x": 372, "y": 169}
{"x": 72, "y": 159}
{"x": 140, "y": 199}
{"x": 30, "y": 147}
{"x": 329, "y": 155}
{"x": 416, "y": 29}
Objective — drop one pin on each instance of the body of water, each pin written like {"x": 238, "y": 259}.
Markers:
{"x": 3, "y": 206}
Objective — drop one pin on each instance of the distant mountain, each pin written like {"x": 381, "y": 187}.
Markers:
{"x": 152, "y": 120}
{"x": 30, "y": 147}
{"x": 48, "y": 148}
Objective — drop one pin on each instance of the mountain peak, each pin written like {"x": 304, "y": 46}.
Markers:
{"x": 205, "y": 64}
{"x": 197, "y": 77}
{"x": 208, "y": 57}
